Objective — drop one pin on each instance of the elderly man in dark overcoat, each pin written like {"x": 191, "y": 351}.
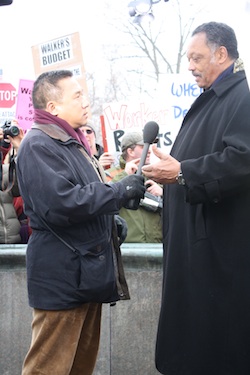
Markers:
{"x": 204, "y": 324}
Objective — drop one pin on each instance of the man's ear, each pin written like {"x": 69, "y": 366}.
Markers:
{"x": 223, "y": 54}
{"x": 130, "y": 152}
{"x": 52, "y": 108}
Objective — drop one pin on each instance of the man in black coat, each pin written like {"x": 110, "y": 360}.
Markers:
{"x": 204, "y": 324}
{"x": 73, "y": 255}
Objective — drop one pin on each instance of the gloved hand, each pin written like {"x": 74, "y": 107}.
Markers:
{"x": 135, "y": 190}
{"x": 134, "y": 186}
{"x": 122, "y": 228}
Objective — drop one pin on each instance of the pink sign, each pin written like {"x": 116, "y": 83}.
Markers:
{"x": 24, "y": 106}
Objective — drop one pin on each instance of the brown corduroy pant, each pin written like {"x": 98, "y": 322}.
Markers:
{"x": 64, "y": 342}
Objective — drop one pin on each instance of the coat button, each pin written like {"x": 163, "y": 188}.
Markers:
{"x": 102, "y": 257}
{"x": 98, "y": 248}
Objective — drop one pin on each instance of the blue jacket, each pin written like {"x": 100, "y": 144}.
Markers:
{"x": 62, "y": 188}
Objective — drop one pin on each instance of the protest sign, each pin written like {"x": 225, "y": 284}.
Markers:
{"x": 24, "y": 106}
{"x": 61, "y": 53}
{"x": 178, "y": 94}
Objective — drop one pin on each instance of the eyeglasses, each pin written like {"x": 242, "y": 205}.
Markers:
{"x": 88, "y": 131}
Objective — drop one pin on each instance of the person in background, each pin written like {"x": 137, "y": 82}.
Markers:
{"x": 204, "y": 325}
{"x": 105, "y": 158}
{"x": 73, "y": 256}
{"x": 10, "y": 227}
{"x": 10, "y": 147}
{"x": 144, "y": 225}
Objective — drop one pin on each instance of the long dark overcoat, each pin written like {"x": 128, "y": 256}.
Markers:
{"x": 204, "y": 325}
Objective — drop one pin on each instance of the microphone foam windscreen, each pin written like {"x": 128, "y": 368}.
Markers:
{"x": 150, "y": 132}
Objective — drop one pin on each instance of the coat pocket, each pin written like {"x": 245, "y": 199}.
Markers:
{"x": 97, "y": 281}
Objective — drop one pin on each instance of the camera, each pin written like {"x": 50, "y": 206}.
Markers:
{"x": 151, "y": 202}
{"x": 9, "y": 129}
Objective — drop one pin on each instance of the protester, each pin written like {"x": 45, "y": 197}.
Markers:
{"x": 10, "y": 227}
{"x": 10, "y": 146}
{"x": 105, "y": 158}
{"x": 204, "y": 321}
{"x": 73, "y": 256}
{"x": 144, "y": 225}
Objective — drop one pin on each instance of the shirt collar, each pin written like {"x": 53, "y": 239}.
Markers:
{"x": 223, "y": 75}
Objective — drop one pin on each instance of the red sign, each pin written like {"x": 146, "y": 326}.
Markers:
{"x": 7, "y": 95}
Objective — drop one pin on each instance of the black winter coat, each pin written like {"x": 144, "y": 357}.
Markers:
{"x": 60, "y": 186}
{"x": 204, "y": 325}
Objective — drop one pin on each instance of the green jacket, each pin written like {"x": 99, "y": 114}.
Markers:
{"x": 143, "y": 225}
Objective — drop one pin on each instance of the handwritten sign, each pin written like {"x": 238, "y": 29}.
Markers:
{"x": 178, "y": 94}
{"x": 24, "y": 106}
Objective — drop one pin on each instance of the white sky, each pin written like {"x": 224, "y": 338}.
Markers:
{"x": 29, "y": 22}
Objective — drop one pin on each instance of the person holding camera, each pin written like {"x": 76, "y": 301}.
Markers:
{"x": 73, "y": 256}
{"x": 10, "y": 228}
{"x": 144, "y": 225}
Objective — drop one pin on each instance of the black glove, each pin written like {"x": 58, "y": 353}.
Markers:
{"x": 135, "y": 190}
{"x": 122, "y": 228}
{"x": 134, "y": 186}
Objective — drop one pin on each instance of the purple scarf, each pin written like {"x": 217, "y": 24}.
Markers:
{"x": 44, "y": 117}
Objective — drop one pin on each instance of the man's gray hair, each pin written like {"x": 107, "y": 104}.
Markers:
{"x": 219, "y": 34}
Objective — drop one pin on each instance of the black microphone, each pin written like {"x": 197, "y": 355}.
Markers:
{"x": 150, "y": 133}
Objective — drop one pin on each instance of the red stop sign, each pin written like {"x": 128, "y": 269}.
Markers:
{"x": 7, "y": 95}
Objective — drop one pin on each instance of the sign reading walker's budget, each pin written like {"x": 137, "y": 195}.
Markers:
{"x": 177, "y": 95}
{"x": 60, "y": 53}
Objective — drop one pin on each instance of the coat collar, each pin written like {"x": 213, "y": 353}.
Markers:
{"x": 230, "y": 81}
{"x": 53, "y": 131}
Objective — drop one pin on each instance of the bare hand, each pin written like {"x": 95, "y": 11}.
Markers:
{"x": 132, "y": 166}
{"x": 163, "y": 171}
{"x": 154, "y": 188}
{"x": 106, "y": 159}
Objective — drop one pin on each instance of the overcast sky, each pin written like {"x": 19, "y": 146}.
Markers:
{"x": 29, "y": 22}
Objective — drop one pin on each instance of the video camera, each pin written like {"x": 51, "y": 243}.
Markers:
{"x": 151, "y": 202}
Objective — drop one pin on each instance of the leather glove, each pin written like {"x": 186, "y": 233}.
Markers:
{"x": 135, "y": 190}
{"x": 122, "y": 228}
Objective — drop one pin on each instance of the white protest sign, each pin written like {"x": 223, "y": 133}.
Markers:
{"x": 177, "y": 95}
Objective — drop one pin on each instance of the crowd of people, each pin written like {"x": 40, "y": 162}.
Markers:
{"x": 78, "y": 209}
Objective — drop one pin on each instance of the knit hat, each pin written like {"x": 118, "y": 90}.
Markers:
{"x": 130, "y": 139}
{"x": 90, "y": 125}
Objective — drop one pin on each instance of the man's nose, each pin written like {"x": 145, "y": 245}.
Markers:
{"x": 85, "y": 102}
{"x": 191, "y": 66}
